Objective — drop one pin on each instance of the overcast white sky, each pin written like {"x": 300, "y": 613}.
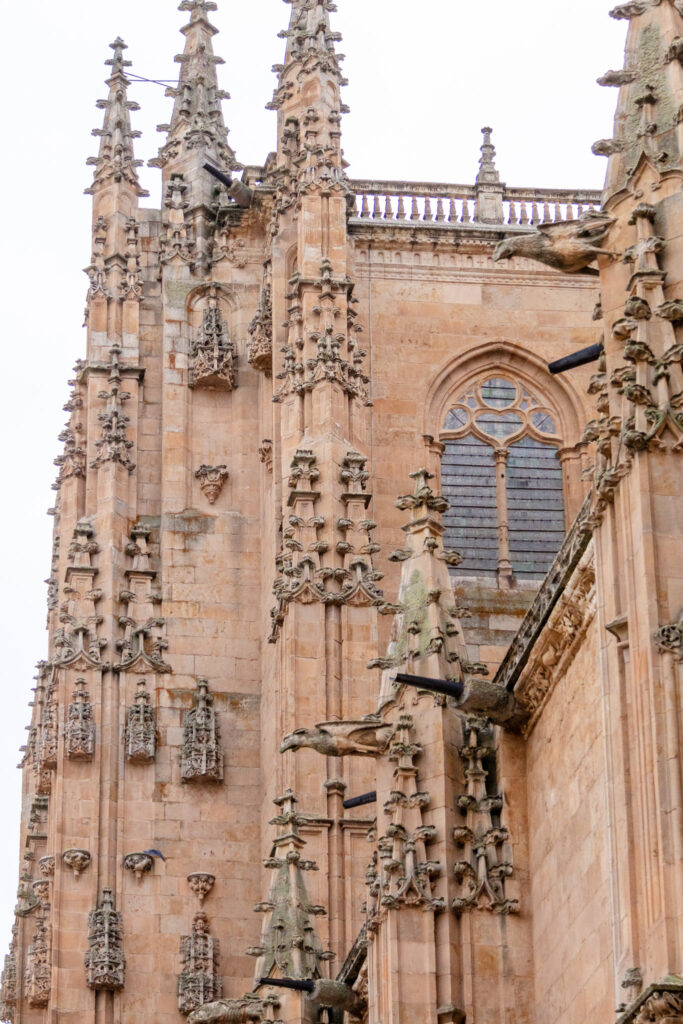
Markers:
{"x": 424, "y": 78}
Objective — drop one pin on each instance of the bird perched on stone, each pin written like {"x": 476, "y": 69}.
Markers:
{"x": 366, "y": 738}
{"x": 570, "y": 246}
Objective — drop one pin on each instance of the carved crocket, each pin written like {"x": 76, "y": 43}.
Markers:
{"x": 366, "y": 738}
{"x": 569, "y": 246}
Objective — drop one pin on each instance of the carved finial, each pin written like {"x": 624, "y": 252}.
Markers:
{"x": 488, "y": 172}
{"x": 116, "y": 161}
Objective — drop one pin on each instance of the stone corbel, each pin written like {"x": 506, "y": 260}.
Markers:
{"x": 77, "y": 860}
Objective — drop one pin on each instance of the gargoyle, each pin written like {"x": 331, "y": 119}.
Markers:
{"x": 228, "y": 1011}
{"x": 367, "y": 738}
{"x": 569, "y": 246}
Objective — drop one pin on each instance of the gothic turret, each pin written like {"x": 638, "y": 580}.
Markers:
{"x": 116, "y": 163}
{"x": 489, "y": 189}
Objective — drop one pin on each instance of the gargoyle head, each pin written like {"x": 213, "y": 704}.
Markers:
{"x": 505, "y": 250}
{"x": 297, "y": 739}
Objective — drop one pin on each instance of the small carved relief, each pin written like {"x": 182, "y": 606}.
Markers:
{"x": 265, "y": 454}
{"x": 77, "y": 861}
{"x": 105, "y": 963}
{"x": 199, "y": 981}
{"x": 367, "y": 738}
{"x": 212, "y": 356}
{"x": 46, "y": 866}
{"x": 669, "y": 639}
{"x": 139, "y": 864}
{"x": 80, "y": 725}
{"x": 211, "y": 480}
{"x": 202, "y": 753}
{"x": 201, "y": 883}
{"x": 141, "y": 728}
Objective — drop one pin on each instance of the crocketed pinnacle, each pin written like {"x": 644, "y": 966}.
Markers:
{"x": 647, "y": 121}
{"x": 116, "y": 162}
{"x": 310, "y": 47}
{"x": 197, "y": 123}
{"x": 488, "y": 173}
{"x": 290, "y": 946}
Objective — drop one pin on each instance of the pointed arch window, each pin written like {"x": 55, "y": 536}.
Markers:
{"x": 502, "y": 476}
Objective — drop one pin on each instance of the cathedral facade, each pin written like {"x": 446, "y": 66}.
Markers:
{"x": 363, "y": 696}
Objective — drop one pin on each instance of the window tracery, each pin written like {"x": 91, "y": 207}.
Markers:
{"x": 501, "y": 473}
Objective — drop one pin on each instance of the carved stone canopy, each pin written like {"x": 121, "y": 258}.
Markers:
{"x": 139, "y": 863}
{"x": 201, "y": 883}
{"x": 211, "y": 480}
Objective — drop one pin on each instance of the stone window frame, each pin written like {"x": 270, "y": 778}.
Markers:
{"x": 498, "y": 357}
{"x": 470, "y": 402}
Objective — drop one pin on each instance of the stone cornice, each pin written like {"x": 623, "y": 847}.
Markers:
{"x": 652, "y": 1004}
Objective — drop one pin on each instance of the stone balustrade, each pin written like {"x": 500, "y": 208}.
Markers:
{"x": 429, "y": 202}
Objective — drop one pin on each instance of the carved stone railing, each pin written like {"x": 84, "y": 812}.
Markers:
{"x": 455, "y": 205}
{"x": 566, "y": 560}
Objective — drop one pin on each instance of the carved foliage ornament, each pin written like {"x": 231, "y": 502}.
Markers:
{"x": 669, "y": 639}
{"x": 80, "y": 726}
{"x": 38, "y": 973}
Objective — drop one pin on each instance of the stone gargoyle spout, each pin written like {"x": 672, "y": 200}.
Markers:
{"x": 368, "y": 737}
{"x": 229, "y": 1011}
{"x": 570, "y": 246}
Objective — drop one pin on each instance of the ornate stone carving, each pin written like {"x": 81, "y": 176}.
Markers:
{"x": 260, "y": 347}
{"x": 569, "y": 246}
{"x": 77, "y": 860}
{"x": 8, "y": 981}
{"x": 560, "y": 572}
{"x": 114, "y": 445}
{"x": 131, "y": 286}
{"x": 199, "y": 981}
{"x": 487, "y": 854}
{"x": 369, "y": 737}
{"x": 661, "y": 1003}
{"x": 77, "y": 642}
{"x": 80, "y": 725}
{"x": 46, "y": 866}
{"x": 401, "y": 873}
{"x": 105, "y": 963}
{"x": 289, "y": 942}
{"x": 141, "y": 728}
{"x": 139, "y": 864}
{"x": 38, "y": 972}
{"x": 202, "y": 753}
{"x": 27, "y": 900}
{"x": 232, "y": 1011}
{"x": 211, "y": 480}
{"x": 177, "y": 242}
{"x": 97, "y": 271}
{"x": 143, "y": 641}
{"x": 307, "y": 573}
{"x": 265, "y": 454}
{"x": 201, "y": 883}
{"x": 212, "y": 356}
{"x": 225, "y": 247}
{"x": 669, "y": 639}
{"x": 559, "y": 639}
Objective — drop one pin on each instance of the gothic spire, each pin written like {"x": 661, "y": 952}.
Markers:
{"x": 116, "y": 162}
{"x": 308, "y": 94}
{"x": 197, "y": 127}
{"x": 290, "y": 946}
{"x": 647, "y": 128}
